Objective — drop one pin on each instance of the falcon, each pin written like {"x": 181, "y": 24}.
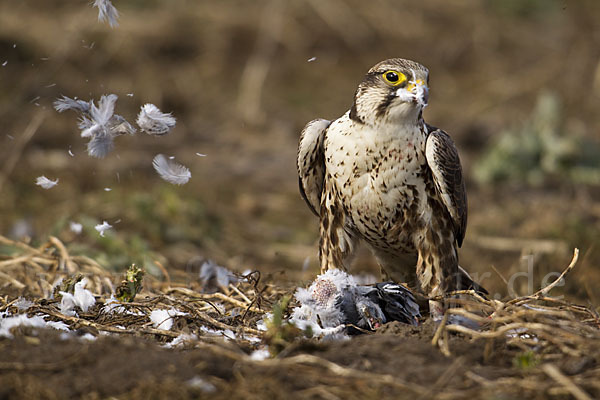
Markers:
{"x": 381, "y": 174}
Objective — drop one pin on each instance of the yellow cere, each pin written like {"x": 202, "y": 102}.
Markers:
{"x": 393, "y": 78}
{"x": 412, "y": 85}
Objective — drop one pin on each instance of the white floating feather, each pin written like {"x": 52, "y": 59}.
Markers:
{"x": 119, "y": 126}
{"x": 103, "y": 227}
{"x": 75, "y": 227}
{"x": 154, "y": 122}
{"x": 65, "y": 103}
{"x": 171, "y": 171}
{"x": 100, "y": 145}
{"x": 105, "y": 110}
{"x": 107, "y": 12}
{"x": 99, "y": 123}
{"x": 45, "y": 182}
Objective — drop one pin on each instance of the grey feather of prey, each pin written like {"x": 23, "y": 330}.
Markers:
{"x": 107, "y": 12}
{"x": 154, "y": 122}
{"x": 99, "y": 123}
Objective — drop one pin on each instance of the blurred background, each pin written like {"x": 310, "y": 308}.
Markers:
{"x": 515, "y": 82}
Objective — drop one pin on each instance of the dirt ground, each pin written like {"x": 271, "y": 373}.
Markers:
{"x": 237, "y": 77}
{"x": 395, "y": 363}
{"x": 398, "y": 362}
{"x": 136, "y": 368}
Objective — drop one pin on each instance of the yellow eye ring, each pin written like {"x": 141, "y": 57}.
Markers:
{"x": 393, "y": 78}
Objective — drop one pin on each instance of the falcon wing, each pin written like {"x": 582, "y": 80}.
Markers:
{"x": 311, "y": 162}
{"x": 443, "y": 161}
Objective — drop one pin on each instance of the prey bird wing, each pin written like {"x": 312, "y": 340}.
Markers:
{"x": 311, "y": 163}
{"x": 398, "y": 303}
{"x": 443, "y": 161}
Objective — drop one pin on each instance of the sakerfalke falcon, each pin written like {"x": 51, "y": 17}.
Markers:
{"x": 381, "y": 174}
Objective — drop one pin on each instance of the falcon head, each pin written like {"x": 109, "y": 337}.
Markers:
{"x": 395, "y": 90}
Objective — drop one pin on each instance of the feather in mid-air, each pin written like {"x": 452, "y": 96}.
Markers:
{"x": 171, "y": 171}
{"x": 98, "y": 123}
{"x": 153, "y": 121}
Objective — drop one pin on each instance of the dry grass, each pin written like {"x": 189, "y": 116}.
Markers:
{"x": 33, "y": 271}
{"x": 534, "y": 331}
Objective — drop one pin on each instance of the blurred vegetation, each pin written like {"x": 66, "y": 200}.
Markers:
{"x": 131, "y": 285}
{"x": 67, "y": 285}
{"x": 525, "y": 8}
{"x": 526, "y": 360}
{"x": 280, "y": 332}
{"x": 540, "y": 149}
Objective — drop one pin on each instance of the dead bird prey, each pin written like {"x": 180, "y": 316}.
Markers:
{"x": 335, "y": 304}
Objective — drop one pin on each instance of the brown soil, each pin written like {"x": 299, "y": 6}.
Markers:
{"x": 42, "y": 364}
{"x": 489, "y": 61}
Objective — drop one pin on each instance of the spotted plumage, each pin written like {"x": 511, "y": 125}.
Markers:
{"x": 381, "y": 174}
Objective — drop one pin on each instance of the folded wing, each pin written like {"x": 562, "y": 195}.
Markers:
{"x": 311, "y": 163}
{"x": 442, "y": 158}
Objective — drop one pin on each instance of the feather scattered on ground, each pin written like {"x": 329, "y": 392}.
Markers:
{"x": 215, "y": 278}
{"x": 201, "y": 384}
{"x": 81, "y": 298}
{"x": 171, "y": 171}
{"x": 37, "y": 321}
{"x": 163, "y": 319}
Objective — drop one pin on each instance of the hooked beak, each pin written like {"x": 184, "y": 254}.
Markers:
{"x": 372, "y": 320}
{"x": 416, "y": 91}
{"x": 420, "y": 90}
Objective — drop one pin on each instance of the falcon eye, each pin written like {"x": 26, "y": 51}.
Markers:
{"x": 394, "y": 78}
